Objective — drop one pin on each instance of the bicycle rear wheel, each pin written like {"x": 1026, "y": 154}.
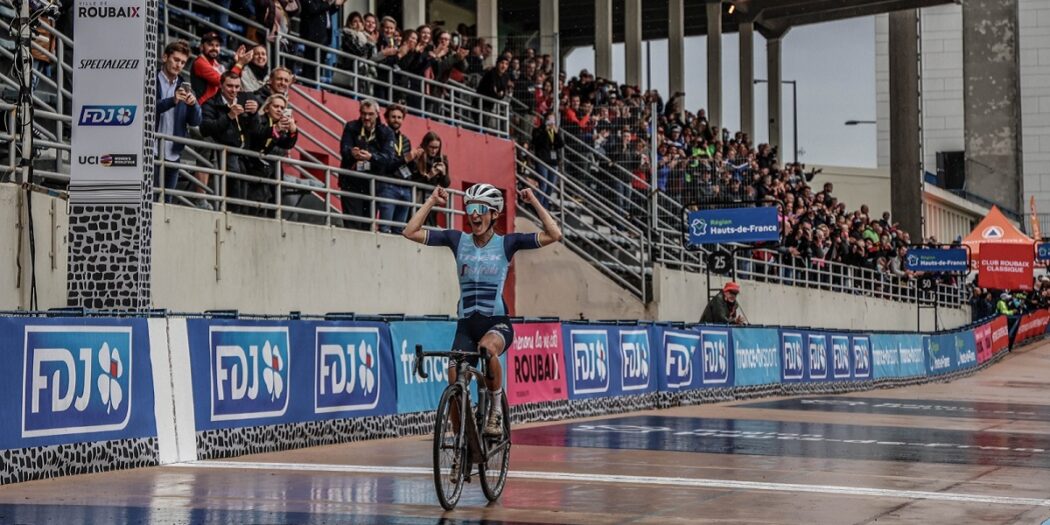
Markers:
{"x": 449, "y": 448}
{"x": 494, "y": 470}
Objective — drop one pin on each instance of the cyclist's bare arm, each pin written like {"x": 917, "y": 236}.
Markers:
{"x": 551, "y": 232}
{"x": 414, "y": 229}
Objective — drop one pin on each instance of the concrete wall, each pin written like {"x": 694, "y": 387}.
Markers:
{"x": 50, "y": 222}
{"x": 681, "y": 296}
{"x": 555, "y": 281}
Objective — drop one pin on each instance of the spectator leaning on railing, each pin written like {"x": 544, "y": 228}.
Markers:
{"x": 177, "y": 108}
{"x": 229, "y": 118}
{"x": 274, "y": 133}
{"x": 366, "y": 146}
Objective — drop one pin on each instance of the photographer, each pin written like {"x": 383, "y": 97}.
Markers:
{"x": 275, "y": 132}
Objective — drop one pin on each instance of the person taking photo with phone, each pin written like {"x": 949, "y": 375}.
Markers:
{"x": 177, "y": 109}
{"x": 274, "y": 133}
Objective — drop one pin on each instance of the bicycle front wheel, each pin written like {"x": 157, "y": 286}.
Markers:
{"x": 449, "y": 449}
{"x": 494, "y": 469}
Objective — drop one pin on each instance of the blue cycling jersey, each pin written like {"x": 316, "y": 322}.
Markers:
{"x": 482, "y": 269}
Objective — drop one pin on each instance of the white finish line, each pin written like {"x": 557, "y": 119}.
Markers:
{"x": 638, "y": 480}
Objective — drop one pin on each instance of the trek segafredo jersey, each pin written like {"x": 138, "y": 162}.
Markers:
{"x": 482, "y": 270}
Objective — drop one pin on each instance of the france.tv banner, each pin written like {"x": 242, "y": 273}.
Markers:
{"x": 898, "y": 355}
{"x": 607, "y": 360}
{"x": 248, "y": 373}
{"x": 695, "y": 358}
{"x": 75, "y": 380}
{"x": 937, "y": 260}
{"x": 537, "y": 369}
{"x": 745, "y": 225}
{"x": 415, "y": 394}
{"x": 756, "y": 356}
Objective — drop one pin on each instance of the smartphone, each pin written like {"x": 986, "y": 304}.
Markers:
{"x": 185, "y": 86}
{"x": 287, "y": 113}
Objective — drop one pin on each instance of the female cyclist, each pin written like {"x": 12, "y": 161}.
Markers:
{"x": 483, "y": 258}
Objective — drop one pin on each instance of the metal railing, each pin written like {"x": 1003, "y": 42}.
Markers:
{"x": 440, "y": 101}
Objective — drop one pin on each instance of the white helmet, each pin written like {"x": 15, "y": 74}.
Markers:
{"x": 487, "y": 194}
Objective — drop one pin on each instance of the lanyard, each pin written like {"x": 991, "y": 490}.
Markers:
{"x": 400, "y": 144}
{"x": 370, "y": 137}
{"x": 550, "y": 133}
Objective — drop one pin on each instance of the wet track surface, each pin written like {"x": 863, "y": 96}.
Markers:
{"x": 973, "y": 451}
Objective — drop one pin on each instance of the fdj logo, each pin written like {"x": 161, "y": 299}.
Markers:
{"x": 634, "y": 351}
{"x": 840, "y": 356}
{"x": 250, "y": 376}
{"x": 75, "y": 379}
{"x": 861, "y": 361}
{"x": 107, "y": 115}
{"x": 590, "y": 355}
{"x": 347, "y": 369}
{"x": 818, "y": 356}
{"x": 716, "y": 356}
{"x": 793, "y": 357}
{"x": 680, "y": 348}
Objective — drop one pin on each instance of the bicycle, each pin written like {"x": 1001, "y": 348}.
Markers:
{"x": 459, "y": 440}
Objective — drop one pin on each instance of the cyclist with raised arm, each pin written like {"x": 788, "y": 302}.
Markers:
{"x": 482, "y": 260}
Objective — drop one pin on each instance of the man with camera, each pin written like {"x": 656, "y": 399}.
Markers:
{"x": 229, "y": 118}
{"x": 367, "y": 146}
{"x": 177, "y": 109}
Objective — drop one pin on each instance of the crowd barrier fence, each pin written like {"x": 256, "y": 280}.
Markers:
{"x": 97, "y": 392}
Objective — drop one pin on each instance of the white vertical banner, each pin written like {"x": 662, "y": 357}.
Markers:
{"x": 109, "y": 76}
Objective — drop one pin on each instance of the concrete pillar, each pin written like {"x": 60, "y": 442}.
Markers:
{"x": 714, "y": 62}
{"x": 992, "y": 102}
{"x": 549, "y": 28}
{"x": 774, "y": 95}
{"x": 633, "y": 41}
{"x": 413, "y": 13}
{"x": 488, "y": 27}
{"x": 747, "y": 78}
{"x": 676, "y": 46}
{"x": 905, "y": 161}
{"x": 361, "y": 6}
{"x": 603, "y": 38}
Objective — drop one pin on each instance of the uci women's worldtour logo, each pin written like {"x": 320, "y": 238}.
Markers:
{"x": 679, "y": 348}
{"x": 95, "y": 115}
{"x": 634, "y": 353}
{"x": 715, "y": 345}
{"x": 76, "y": 379}
{"x": 840, "y": 357}
{"x": 861, "y": 357}
{"x": 348, "y": 375}
{"x": 793, "y": 357}
{"x": 249, "y": 372}
{"x": 590, "y": 357}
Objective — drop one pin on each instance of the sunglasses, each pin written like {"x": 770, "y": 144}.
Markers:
{"x": 477, "y": 207}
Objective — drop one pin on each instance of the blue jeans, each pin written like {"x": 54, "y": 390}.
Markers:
{"x": 393, "y": 212}
{"x": 548, "y": 183}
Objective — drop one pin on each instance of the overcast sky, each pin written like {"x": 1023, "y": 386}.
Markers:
{"x": 834, "y": 64}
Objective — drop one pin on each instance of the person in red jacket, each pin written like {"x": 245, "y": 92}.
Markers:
{"x": 206, "y": 70}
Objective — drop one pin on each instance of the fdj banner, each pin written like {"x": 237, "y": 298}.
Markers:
{"x": 745, "y": 225}
{"x": 1005, "y": 266}
{"x": 108, "y": 146}
{"x": 608, "y": 360}
{"x": 259, "y": 372}
{"x": 937, "y": 260}
{"x": 75, "y": 380}
{"x": 415, "y": 394}
{"x": 697, "y": 358}
{"x": 756, "y": 356}
{"x": 537, "y": 364}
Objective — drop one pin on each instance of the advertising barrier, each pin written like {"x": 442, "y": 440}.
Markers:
{"x": 983, "y": 338}
{"x": 74, "y": 380}
{"x": 415, "y": 394}
{"x": 756, "y": 356}
{"x": 250, "y": 373}
{"x": 609, "y": 360}
{"x": 1000, "y": 335}
{"x": 537, "y": 363}
{"x": 898, "y": 355}
{"x": 1032, "y": 325}
{"x": 949, "y": 352}
{"x": 862, "y": 359}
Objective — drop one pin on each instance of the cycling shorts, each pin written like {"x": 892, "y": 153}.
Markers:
{"x": 470, "y": 330}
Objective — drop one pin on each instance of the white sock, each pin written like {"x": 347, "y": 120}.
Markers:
{"x": 497, "y": 401}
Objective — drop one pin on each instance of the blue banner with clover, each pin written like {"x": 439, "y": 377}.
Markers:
{"x": 743, "y": 225}
{"x": 248, "y": 373}
{"x": 73, "y": 380}
{"x": 937, "y": 260}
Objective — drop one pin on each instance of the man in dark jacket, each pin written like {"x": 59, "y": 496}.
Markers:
{"x": 367, "y": 146}
{"x": 229, "y": 118}
{"x": 723, "y": 308}
{"x": 548, "y": 143}
{"x": 315, "y": 25}
{"x": 399, "y": 170}
{"x": 177, "y": 109}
